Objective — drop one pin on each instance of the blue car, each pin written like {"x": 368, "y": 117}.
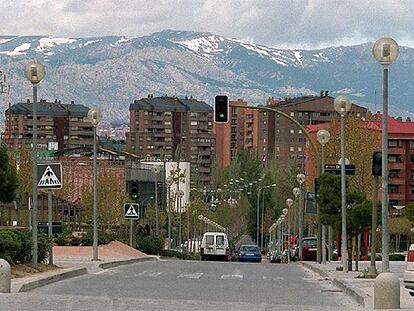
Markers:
{"x": 250, "y": 253}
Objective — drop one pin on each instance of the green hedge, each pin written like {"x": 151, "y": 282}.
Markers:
{"x": 150, "y": 245}
{"x": 16, "y": 246}
{"x": 173, "y": 253}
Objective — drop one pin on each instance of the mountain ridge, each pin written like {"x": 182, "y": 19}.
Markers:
{"x": 113, "y": 71}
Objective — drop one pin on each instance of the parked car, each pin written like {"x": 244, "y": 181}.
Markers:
{"x": 309, "y": 248}
{"x": 250, "y": 253}
{"x": 409, "y": 270}
{"x": 214, "y": 245}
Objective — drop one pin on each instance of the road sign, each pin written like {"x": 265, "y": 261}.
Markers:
{"x": 49, "y": 176}
{"x": 131, "y": 211}
{"x": 336, "y": 169}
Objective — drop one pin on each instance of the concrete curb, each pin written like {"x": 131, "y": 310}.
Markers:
{"x": 112, "y": 264}
{"x": 52, "y": 279}
{"x": 356, "y": 294}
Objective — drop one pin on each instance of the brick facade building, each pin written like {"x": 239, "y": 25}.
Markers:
{"x": 60, "y": 126}
{"x": 163, "y": 127}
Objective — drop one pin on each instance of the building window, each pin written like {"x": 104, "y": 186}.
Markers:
{"x": 194, "y": 114}
{"x": 300, "y": 131}
{"x": 277, "y": 131}
{"x": 292, "y": 149}
{"x": 392, "y": 143}
{"x": 277, "y": 149}
{"x": 292, "y": 114}
{"x": 292, "y": 131}
{"x": 194, "y": 123}
{"x": 299, "y": 148}
{"x": 168, "y": 131}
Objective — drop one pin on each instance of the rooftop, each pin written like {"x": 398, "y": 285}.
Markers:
{"x": 45, "y": 108}
{"x": 165, "y": 103}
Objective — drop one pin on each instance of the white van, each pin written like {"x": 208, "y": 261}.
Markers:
{"x": 214, "y": 245}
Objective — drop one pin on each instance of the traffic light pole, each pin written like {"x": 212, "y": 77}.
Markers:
{"x": 372, "y": 271}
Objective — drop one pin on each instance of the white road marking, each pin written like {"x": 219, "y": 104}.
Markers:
{"x": 232, "y": 277}
{"x": 190, "y": 275}
{"x": 149, "y": 273}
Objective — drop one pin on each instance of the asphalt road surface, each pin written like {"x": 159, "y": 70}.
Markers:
{"x": 188, "y": 285}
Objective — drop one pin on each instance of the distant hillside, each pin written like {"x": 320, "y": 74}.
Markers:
{"x": 111, "y": 72}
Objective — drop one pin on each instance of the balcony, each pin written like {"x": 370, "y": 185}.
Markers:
{"x": 395, "y": 150}
{"x": 396, "y": 180}
{"x": 396, "y": 165}
{"x": 398, "y": 196}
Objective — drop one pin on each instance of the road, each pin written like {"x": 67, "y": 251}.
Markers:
{"x": 188, "y": 285}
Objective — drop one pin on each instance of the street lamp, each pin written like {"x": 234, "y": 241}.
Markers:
{"x": 169, "y": 181}
{"x": 296, "y": 193}
{"x": 262, "y": 239}
{"x": 95, "y": 116}
{"x": 342, "y": 105}
{"x": 34, "y": 72}
{"x": 156, "y": 170}
{"x": 385, "y": 51}
{"x": 300, "y": 179}
{"x": 180, "y": 195}
{"x": 289, "y": 203}
{"x": 323, "y": 137}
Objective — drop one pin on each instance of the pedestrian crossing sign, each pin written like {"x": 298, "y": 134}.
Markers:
{"x": 131, "y": 211}
{"x": 49, "y": 176}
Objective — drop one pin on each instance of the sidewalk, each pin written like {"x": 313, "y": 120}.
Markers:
{"x": 77, "y": 260}
{"x": 362, "y": 289}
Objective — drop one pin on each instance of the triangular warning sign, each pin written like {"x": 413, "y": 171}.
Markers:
{"x": 49, "y": 178}
{"x": 131, "y": 212}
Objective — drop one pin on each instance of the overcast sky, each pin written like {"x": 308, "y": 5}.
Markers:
{"x": 279, "y": 23}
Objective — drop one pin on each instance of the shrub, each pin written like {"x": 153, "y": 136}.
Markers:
{"x": 10, "y": 245}
{"x": 43, "y": 244}
{"x": 16, "y": 246}
{"x": 397, "y": 257}
{"x": 151, "y": 245}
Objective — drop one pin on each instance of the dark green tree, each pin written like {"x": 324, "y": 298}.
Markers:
{"x": 329, "y": 199}
{"x": 8, "y": 177}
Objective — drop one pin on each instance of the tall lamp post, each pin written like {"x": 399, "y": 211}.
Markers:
{"x": 300, "y": 179}
{"x": 95, "y": 116}
{"x": 289, "y": 203}
{"x": 385, "y": 51}
{"x": 296, "y": 193}
{"x": 34, "y": 72}
{"x": 342, "y": 106}
{"x": 169, "y": 181}
{"x": 156, "y": 170}
{"x": 180, "y": 195}
{"x": 262, "y": 238}
{"x": 323, "y": 137}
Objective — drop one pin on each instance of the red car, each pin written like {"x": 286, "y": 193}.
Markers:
{"x": 309, "y": 248}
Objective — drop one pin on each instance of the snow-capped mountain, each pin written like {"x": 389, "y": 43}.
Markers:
{"x": 113, "y": 71}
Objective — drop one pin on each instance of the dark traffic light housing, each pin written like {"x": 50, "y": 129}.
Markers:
{"x": 317, "y": 187}
{"x": 221, "y": 109}
{"x": 377, "y": 163}
{"x": 134, "y": 194}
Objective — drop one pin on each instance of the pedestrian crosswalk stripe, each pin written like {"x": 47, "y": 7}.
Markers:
{"x": 190, "y": 275}
{"x": 149, "y": 273}
{"x": 131, "y": 212}
{"x": 232, "y": 277}
{"x": 49, "y": 178}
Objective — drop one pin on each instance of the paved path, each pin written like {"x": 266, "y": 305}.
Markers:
{"x": 365, "y": 287}
{"x": 188, "y": 285}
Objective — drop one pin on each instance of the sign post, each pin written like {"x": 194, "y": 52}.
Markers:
{"x": 49, "y": 177}
{"x": 131, "y": 212}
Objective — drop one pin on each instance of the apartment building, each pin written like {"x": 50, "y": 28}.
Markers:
{"x": 247, "y": 130}
{"x": 60, "y": 126}
{"x": 171, "y": 129}
{"x": 400, "y": 158}
{"x": 285, "y": 140}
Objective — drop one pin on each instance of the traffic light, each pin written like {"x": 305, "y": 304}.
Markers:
{"x": 134, "y": 191}
{"x": 221, "y": 109}
{"x": 377, "y": 163}
{"x": 317, "y": 187}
